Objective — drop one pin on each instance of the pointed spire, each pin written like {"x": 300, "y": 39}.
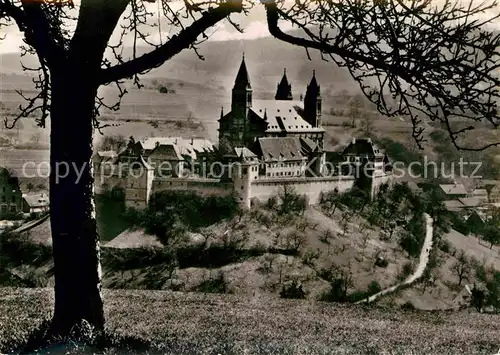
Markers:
{"x": 284, "y": 90}
{"x": 314, "y": 83}
{"x": 221, "y": 112}
{"x": 242, "y": 77}
{"x": 265, "y": 114}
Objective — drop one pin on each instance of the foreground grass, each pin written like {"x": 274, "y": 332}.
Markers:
{"x": 190, "y": 323}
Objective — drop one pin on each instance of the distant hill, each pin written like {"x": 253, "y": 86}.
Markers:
{"x": 266, "y": 58}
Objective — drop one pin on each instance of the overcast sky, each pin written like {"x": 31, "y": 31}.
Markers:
{"x": 254, "y": 27}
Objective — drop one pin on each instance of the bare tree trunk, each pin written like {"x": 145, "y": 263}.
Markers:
{"x": 74, "y": 229}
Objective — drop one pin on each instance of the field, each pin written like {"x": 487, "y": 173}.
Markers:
{"x": 180, "y": 323}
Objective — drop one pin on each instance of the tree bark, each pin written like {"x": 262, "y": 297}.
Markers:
{"x": 74, "y": 229}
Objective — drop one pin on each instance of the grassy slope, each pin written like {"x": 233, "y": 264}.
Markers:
{"x": 265, "y": 274}
{"x": 210, "y": 324}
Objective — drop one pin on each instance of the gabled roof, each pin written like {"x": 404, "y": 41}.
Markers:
{"x": 36, "y": 200}
{"x": 282, "y": 116}
{"x": 363, "y": 147}
{"x": 166, "y": 152}
{"x": 281, "y": 148}
{"x": 470, "y": 201}
{"x": 454, "y": 205}
{"x": 186, "y": 147}
{"x": 477, "y": 214}
{"x": 142, "y": 163}
{"x": 308, "y": 145}
{"x": 102, "y": 156}
{"x": 453, "y": 189}
{"x": 244, "y": 153}
{"x": 480, "y": 192}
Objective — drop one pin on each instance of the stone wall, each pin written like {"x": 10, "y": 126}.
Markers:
{"x": 264, "y": 188}
{"x": 203, "y": 187}
{"x": 378, "y": 180}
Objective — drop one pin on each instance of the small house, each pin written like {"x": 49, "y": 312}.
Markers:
{"x": 35, "y": 203}
{"x": 453, "y": 191}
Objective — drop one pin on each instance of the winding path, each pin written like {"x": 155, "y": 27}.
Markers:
{"x": 424, "y": 259}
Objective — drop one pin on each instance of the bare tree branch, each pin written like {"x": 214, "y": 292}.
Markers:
{"x": 438, "y": 63}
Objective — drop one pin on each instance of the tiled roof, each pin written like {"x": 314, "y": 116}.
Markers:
{"x": 185, "y": 146}
{"x": 308, "y": 144}
{"x": 36, "y": 200}
{"x": 479, "y": 192}
{"x": 282, "y": 148}
{"x": 244, "y": 153}
{"x": 453, "y": 205}
{"x": 141, "y": 161}
{"x": 363, "y": 147}
{"x": 166, "y": 152}
{"x": 480, "y": 215}
{"x": 454, "y": 189}
{"x": 283, "y": 115}
{"x": 470, "y": 201}
{"x": 107, "y": 155}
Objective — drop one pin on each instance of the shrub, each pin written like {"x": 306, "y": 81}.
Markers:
{"x": 216, "y": 284}
{"x": 374, "y": 287}
{"x": 444, "y": 246}
{"x": 293, "y": 290}
{"x": 171, "y": 213}
{"x": 408, "y": 306}
{"x": 272, "y": 202}
{"x": 406, "y": 271}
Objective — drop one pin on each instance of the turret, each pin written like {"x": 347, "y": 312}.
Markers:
{"x": 242, "y": 90}
{"x": 312, "y": 103}
{"x": 284, "y": 89}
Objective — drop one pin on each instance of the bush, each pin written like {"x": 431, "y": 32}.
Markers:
{"x": 171, "y": 213}
{"x": 408, "y": 306}
{"x": 216, "y": 284}
{"x": 444, "y": 246}
{"x": 272, "y": 202}
{"x": 412, "y": 239}
{"x": 293, "y": 290}
{"x": 374, "y": 287}
{"x": 405, "y": 272}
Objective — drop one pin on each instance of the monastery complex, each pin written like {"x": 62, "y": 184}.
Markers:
{"x": 263, "y": 145}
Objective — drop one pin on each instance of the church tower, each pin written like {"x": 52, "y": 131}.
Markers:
{"x": 312, "y": 103}
{"x": 241, "y": 102}
{"x": 241, "y": 99}
{"x": 284, "y": 90}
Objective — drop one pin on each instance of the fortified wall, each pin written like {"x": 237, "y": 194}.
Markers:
{"x": 264, "y": 188}
{"x": 204, "y": 187}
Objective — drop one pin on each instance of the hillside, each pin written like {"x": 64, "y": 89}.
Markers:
{"x": 180, "y": 323}
{"x": 341, "y": 251}
{"x": 197, "y": 89}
